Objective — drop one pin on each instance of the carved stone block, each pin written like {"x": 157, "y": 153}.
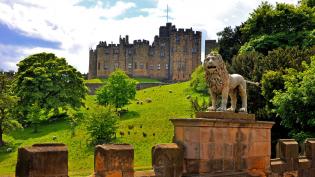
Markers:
{"x": 42, "y": 160}
{"x": 167, "y": 160}
{"x": 114, "y": 160}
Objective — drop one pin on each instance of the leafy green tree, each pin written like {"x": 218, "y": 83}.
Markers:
{"x": 117, "y": 90}
{"x": 295, "y": 104}
{"x": 198, "y": 81}
{"x": 7, "y": 104}
{"x": 230, "y": 41}
{"x": 101, "y": 124}
{"x": 47, "y": 83}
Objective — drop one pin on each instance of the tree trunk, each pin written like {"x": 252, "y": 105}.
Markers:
{"x": 1, "y": 140}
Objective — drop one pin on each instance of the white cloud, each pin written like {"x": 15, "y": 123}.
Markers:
{"x": 78, "y": 28}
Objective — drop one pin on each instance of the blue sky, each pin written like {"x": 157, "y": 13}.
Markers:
{"x": 69, "y": 28}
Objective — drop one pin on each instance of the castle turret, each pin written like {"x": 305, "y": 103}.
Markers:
{"x": 92, "y": 64}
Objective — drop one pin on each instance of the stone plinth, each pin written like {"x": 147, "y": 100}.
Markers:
{"x": 236, "y": 146}
{"x": 114, "y": 160}
{"x": 42, "y": 160}
{"x": 167, "y": 160}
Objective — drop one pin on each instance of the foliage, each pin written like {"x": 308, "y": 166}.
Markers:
{"x": 295, "y": 105}
{"x": 117, "y": 91}
{"x": 198, "y": 81}
{"x": 102, "y": 125}
{"x": 74, "y": 117}
{"x": 47, "y": 83}
{"x": 265, "y": 43}
{"x": 230, "y": 41}
{"x": 267, "y": 19}
{"x": 196, "y": 107}
{"x": 7, "y": 104}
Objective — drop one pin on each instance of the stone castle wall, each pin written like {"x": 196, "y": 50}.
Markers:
{"x": 173, "y": 55}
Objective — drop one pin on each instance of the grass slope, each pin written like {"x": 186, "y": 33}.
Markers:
{"x": 147, "y": 118}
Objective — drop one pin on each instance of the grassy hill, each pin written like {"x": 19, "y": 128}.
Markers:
{"x": 150, "y": 122}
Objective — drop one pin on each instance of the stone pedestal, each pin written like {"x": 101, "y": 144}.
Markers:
{"x": 42, "y": 160}
{"x": 114, "y": 160}
{"x": 224, "y": 144}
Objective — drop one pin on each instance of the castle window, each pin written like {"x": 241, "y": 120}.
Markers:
{"x": 159, "y": 66}
{"x": 129, "y": 52}
{"x": 116, "y": 51}
{"x": 162, "y": 44}
{"x": 106, "y": 51}
{"x": 116, "y": 65}
{"x": 196, "y": 41}
{"x": 166, "y": 66}
{"x": 129, "y": 65}
{"x": 177, "y": 39}
{"x": 162, "y": 54}
{"x": 151, "y": 53}
{"x": 151, "y": 67}
{"x": 193, "y": 50}
{"x": 105, "y": 67}
{"x": 141, "y": 66}
{"x": 135, "y": 65}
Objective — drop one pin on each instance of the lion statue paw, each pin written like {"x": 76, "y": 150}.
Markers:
{"x": 211, "y": 108}
{"x": 242, "y": 110}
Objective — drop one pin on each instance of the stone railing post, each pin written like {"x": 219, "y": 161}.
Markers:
{"x": 114, "y": 160}
{"x": 167, "y": 160}
{"x": 42, "y": 160}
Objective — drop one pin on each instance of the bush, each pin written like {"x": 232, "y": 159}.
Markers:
{"x": 198, "y": 81}
{"x": 101, "y": 124}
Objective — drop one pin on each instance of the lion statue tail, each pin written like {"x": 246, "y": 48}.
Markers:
{"x": 254, "y": 83}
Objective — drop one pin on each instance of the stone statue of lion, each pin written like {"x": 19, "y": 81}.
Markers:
{"x": 220, "y": 82}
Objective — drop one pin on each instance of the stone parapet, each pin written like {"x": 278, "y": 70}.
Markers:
{"x": 42, "y": 160}
{"x": 167, "y": 160}
{"x": 289, "y": 162}
{"x": 114, "y": 160}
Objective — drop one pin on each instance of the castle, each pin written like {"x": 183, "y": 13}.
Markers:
{"x": 173, "y": 55}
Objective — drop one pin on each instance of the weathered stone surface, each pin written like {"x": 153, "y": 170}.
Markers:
{"x": 167, "y": 160}
{"x": 225, "y": 115}
{"x": 114, "y": 160}
{"x": 42, "y": 160}
{"x": 224, "y": 146}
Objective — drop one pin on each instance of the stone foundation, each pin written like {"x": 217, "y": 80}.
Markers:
{"x": 229, "y": 145}
{"x": 42, "y": 160}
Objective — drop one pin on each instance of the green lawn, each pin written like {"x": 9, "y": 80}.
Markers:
{"x": 146, "y": 118}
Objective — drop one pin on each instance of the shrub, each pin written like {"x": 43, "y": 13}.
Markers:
{"x": 198, "y": 81}
{"x": 101, "y": 124}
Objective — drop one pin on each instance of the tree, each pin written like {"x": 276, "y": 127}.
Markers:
{"x": 295, "y": 104}
{"x": 117, "y": 90}
{"x": 230, "y": 41}
{"x": 7, "y": 104}
{"x": 46, "y": 82}
{"x": 101, "y": 124}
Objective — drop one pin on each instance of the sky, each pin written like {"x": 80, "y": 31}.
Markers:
{"x": 69, "y": 28}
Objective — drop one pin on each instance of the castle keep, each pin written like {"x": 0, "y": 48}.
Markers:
{"x": 173, "y": 55}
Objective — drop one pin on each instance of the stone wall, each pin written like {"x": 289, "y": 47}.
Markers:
{"x": 94, "y": 86}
